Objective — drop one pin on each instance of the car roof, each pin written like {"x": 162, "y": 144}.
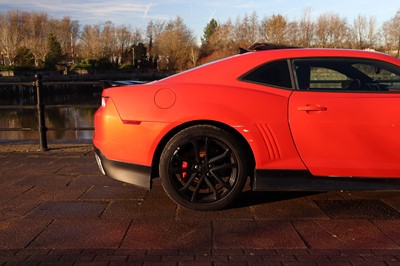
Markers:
{"x": 231, "y": 68}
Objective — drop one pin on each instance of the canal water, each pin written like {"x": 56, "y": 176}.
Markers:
{"x": 67, "y": 107}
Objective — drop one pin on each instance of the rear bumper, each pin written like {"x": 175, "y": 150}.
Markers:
{"x": 134, "y": 174}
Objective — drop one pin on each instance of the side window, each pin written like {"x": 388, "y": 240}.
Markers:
{"x": 346, "y": 74}
{"x": 274, "y": 74}
{"x": 326, "y": 79}
{"x": 381, "y": 75}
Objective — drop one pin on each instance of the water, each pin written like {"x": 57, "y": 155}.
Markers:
{"x": 85, "y": 99}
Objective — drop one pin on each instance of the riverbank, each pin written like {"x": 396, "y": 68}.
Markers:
{"x": 32, "y": 146}
{"x": 96, "y": 76}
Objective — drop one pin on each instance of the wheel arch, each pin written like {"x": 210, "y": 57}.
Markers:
{"x": 249, "y": 156}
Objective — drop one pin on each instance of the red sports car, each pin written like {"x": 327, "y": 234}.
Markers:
{"x": 286, "y": 119}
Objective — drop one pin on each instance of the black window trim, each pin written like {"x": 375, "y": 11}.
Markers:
{"x": 297, "y": 87}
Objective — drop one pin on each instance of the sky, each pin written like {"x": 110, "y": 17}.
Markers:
{"x": 197, "y": 13}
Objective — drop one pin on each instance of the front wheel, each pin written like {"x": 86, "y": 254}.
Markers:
{"x": 203, "y": 168}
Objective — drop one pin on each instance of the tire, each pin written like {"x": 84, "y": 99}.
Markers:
{"x": 203, "y": 168}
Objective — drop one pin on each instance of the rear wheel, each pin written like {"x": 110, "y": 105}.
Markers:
{"x": 203, "y": 168}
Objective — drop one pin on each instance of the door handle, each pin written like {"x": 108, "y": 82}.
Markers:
{"x": 312, "y": 108}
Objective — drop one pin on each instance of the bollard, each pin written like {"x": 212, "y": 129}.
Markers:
{"x": 40, "y": 111}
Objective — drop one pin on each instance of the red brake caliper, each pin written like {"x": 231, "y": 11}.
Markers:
{"x": 184, "y": 166}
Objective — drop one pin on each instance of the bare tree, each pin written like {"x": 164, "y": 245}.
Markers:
{"x": 293, "y": 34}
{"x": 153, "y": 30}
{"x": 36, "y": 34}
{"x": 222, "y": 42}
{"x": 306, "y": 29}
{"x": 364, "y": 34}
{"x": 11, "y": 33}
{"x": 274, "y": 29}
{"x": 67, "y": 32}
{"x": 124, "y": 40}
{"x": 136, "y": 36}
{"x": 373, "y": 34}
{"x": 391, "y": 30}
{"x": 194, "y": 55}
{"x": 174, "y": 45}
{"x": 253, "y": 29}
{"x": 245, "y": 31}
{"x": 360, "y": 32}
{"x": 91, "y": 39}
{"x": 100, "y": 42}
{"x": 331, "y": 31}
{"x": 108, "y": 41}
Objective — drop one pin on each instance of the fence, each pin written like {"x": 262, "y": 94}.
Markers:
{"x": 41, "y": 108}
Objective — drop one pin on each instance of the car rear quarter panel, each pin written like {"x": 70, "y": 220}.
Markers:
{"x": 258, "y": 113}
{"x": 124, "y": 142}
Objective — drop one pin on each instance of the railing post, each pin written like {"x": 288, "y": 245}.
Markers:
{"x": 40, "y": 112}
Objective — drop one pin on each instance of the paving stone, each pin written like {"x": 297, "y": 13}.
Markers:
{"x": 17, "y": 209}
{"x": 69, "y": 210}
{"x": 82, "y": 234}
{"x": 45, "y": 180}
{"x": 339, "y": 234}
{"x": 43, "y": 194}
{"x": 141, "y": 209}
{"x": 255, "y": 234}
{"x": 120, "y": 191}
{"x": 20, "y": 232}
{"x": 391, "y": 229}
{"x": 393, "y": 202}
{"x": 11, "y": 256}
{"x": 291, "y": 209}
{"x": 358, "y": 209}
{"x": 91, "y": 180}
{"x": 168, "y": 234}
{"x": 227, "y": 214}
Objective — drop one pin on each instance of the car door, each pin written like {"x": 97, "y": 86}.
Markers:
{"x": 346, "y": 129}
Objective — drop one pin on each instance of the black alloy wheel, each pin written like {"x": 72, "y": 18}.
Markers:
{"x": 203, "y": 168}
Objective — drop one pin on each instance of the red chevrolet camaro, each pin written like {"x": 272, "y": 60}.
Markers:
{"x": 284, "y": 119}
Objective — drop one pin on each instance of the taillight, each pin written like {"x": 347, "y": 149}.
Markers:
{"x": 104, "y": 101}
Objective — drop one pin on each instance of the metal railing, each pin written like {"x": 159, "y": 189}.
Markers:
{"x": 41, "y": 108}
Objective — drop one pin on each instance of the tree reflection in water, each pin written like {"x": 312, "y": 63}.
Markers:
{"x": 65, "y": 117}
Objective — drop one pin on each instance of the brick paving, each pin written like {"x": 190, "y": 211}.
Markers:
{"x": 193, "y": 257}
{"x": 57, "y": 209}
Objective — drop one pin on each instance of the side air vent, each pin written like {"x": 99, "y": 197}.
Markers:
{"x": 270, "y": 141}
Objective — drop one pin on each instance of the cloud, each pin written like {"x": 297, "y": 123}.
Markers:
{"x": 83, "y": 10}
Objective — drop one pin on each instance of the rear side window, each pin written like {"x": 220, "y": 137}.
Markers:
{"x": 274, "y": 74}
